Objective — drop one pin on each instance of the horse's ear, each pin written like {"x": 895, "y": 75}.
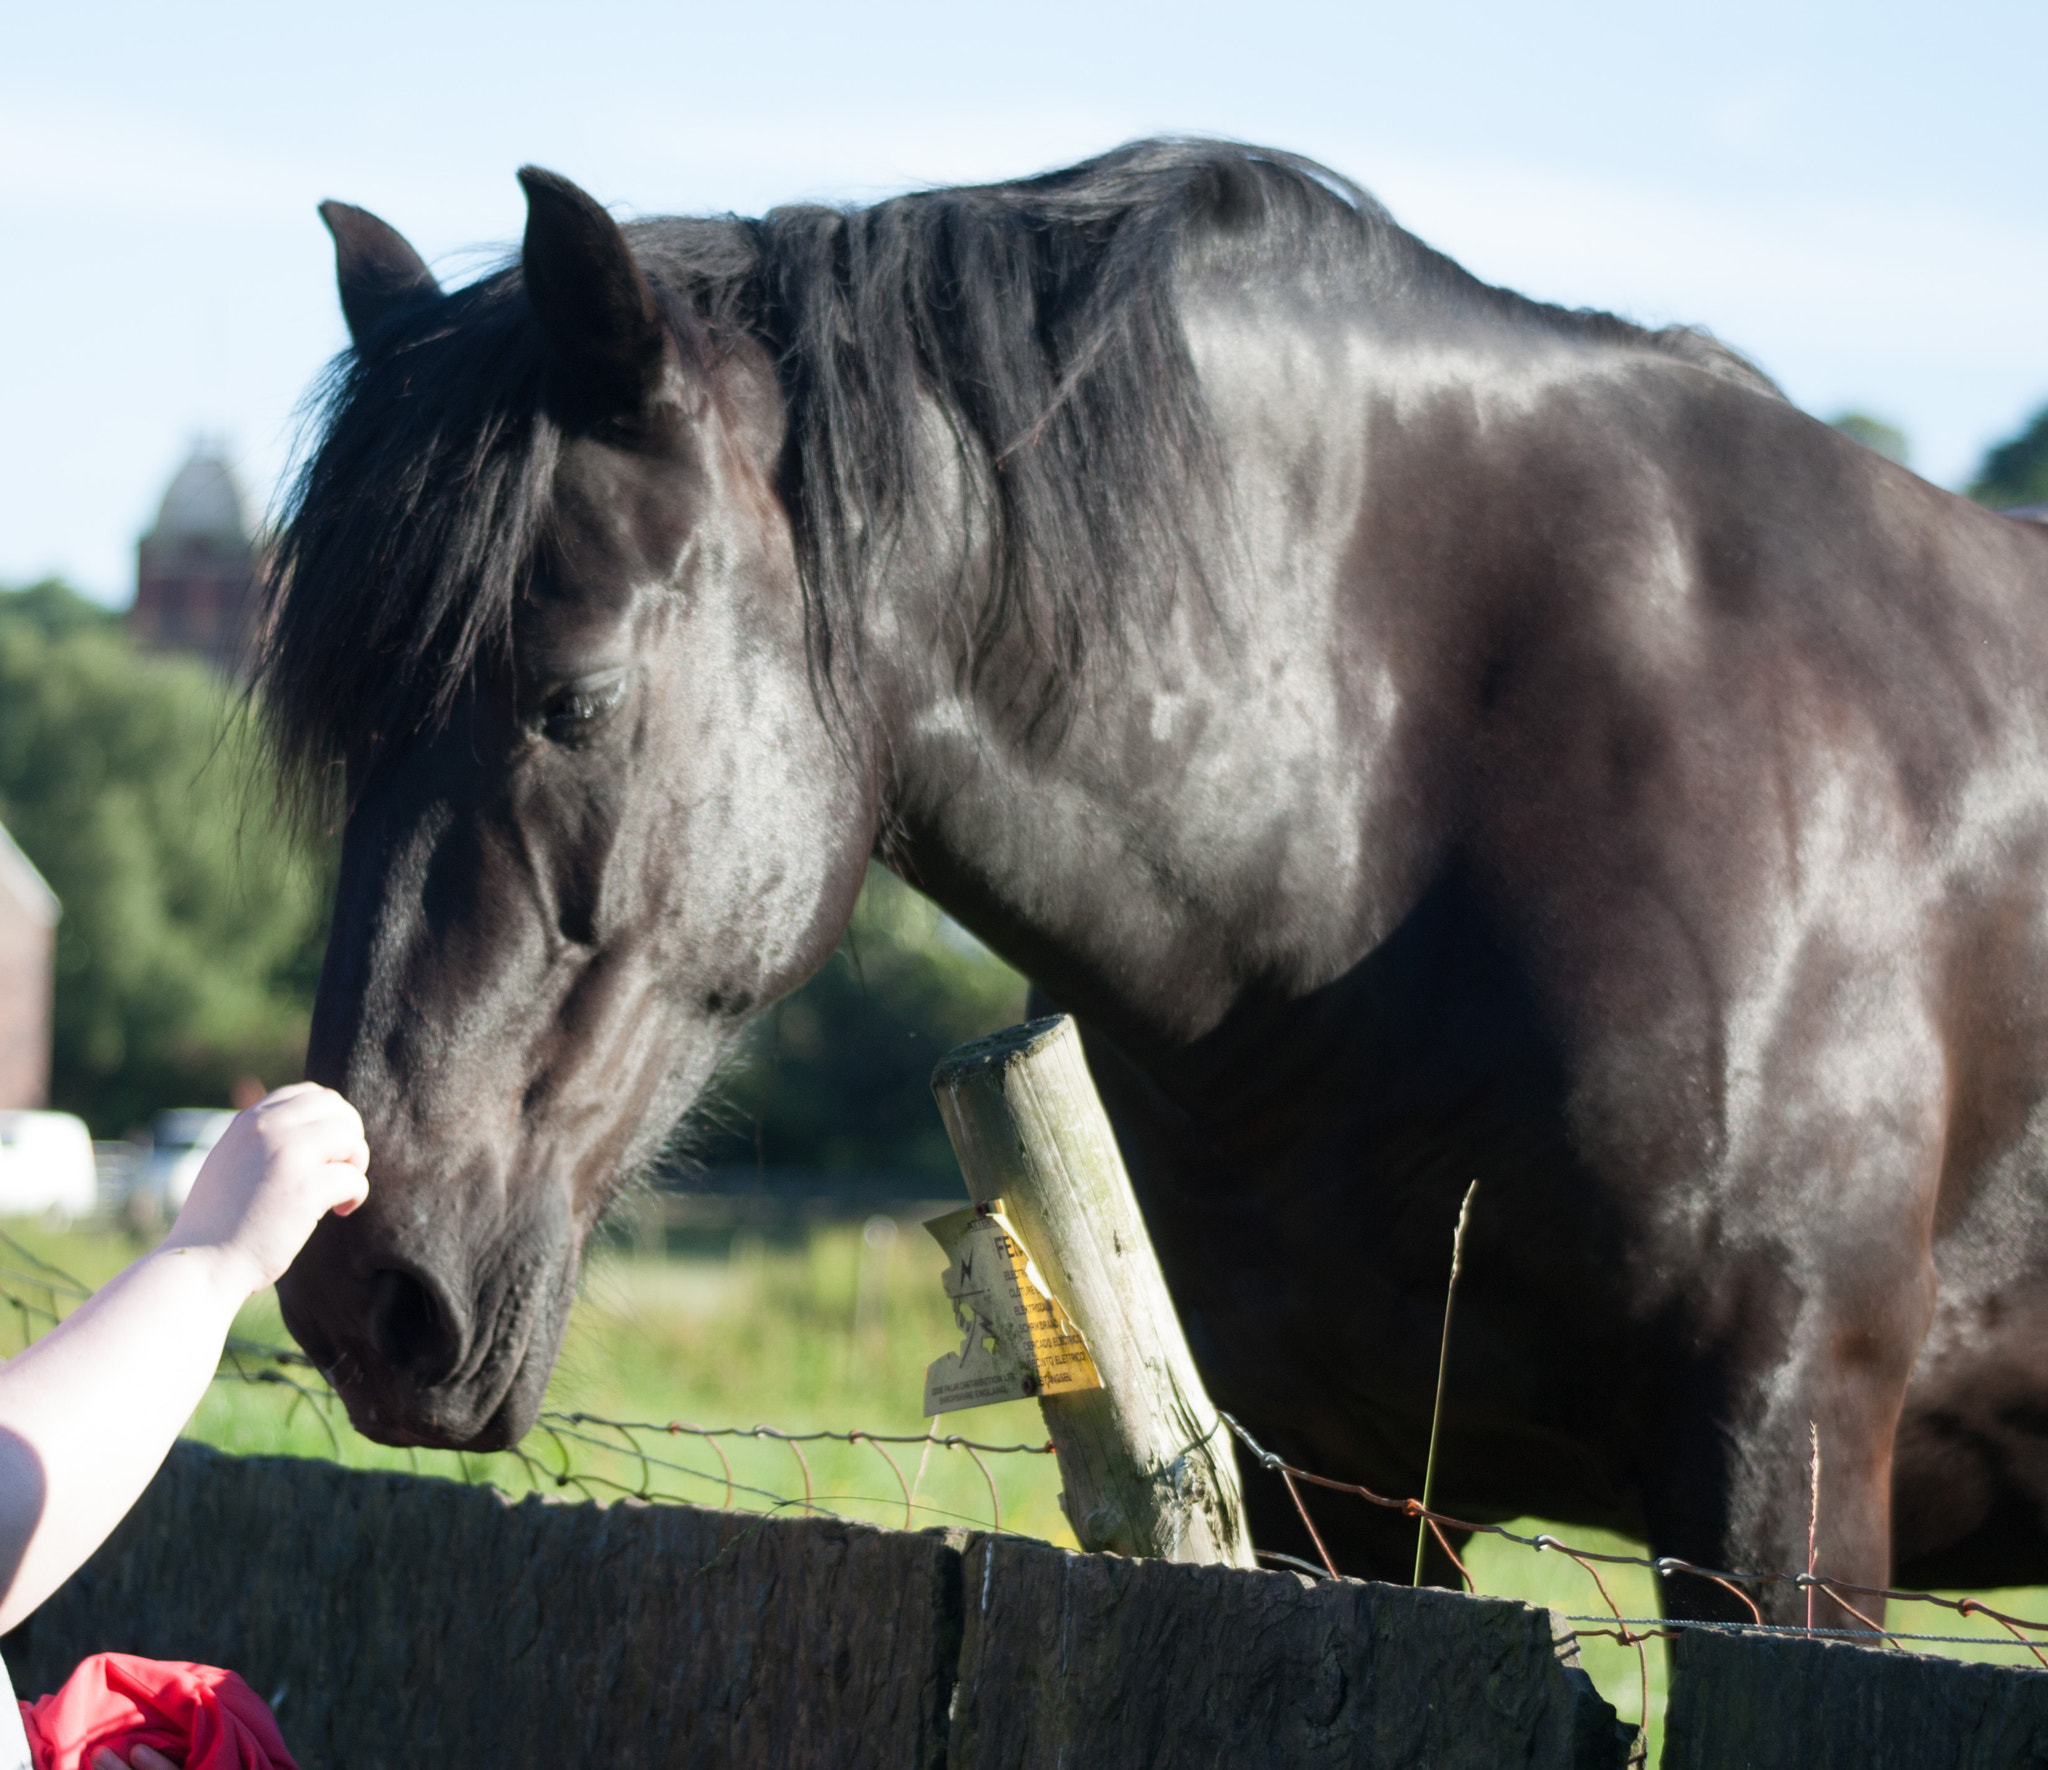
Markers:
{"x": 593, "y": 301}
{"x": 379, "y": 272}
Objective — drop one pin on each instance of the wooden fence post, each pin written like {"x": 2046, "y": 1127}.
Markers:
{"x": 1147, "y": 1464}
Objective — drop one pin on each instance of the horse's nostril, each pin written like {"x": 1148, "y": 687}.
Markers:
{"x": 409, "y": 1327}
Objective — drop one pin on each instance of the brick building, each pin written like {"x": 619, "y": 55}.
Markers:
{"x": 197, "y": 569}
{"x": 28, "y": 937}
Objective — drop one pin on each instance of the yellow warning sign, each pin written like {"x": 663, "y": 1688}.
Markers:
{"x": 1018, "y": 1341}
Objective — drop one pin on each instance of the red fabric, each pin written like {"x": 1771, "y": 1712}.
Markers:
{"x": 197, "y": 1716}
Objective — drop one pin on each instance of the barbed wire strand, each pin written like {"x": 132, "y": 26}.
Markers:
{"x": 1642, "y": 1658}
{"x": 804, "y": 1463}
{"x": 1309, "y": 1524}
{"x": 1668, "y": 1628}
{"x": 995, "y": 1504}
{"x": 952, "y": 1441}
{"x": 38, "y": 1291}
{"x": 1974, "y": 1606}
{"x": 1664, "y": 1565}
{"x": 857, "y": 1435}
{"x": 257, "y": 1363}
{"x": 676, "y": 1427}
{"x": 1444, "y": 1543}
{"x": 924, "y": 1456}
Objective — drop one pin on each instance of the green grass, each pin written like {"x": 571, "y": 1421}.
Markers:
{"x": 831, "y": 1332}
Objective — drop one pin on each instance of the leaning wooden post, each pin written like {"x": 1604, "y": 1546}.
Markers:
{"x": 1147, "y": 1464}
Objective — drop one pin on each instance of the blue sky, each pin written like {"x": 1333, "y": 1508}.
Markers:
{"x": 1852, "y": 194}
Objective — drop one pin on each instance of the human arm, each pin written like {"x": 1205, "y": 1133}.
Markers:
{"x": 88, "y": 1413}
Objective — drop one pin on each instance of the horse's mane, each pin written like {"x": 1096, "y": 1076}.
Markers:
{"x": 1038, "y": 316}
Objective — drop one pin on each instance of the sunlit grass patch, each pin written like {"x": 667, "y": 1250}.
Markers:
{"x": 829, "y": 1333}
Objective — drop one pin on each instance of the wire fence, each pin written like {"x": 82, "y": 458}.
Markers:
{"x": 597, "y": 1457}
{"x": 1635, "y": 1631}
{"x": 589, "y": 1454}
{"x": 673, "y": 1461}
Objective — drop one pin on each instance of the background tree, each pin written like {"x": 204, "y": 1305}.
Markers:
{"x": 1874, "y": 433}
{"x": 2016, "y": 471}
{"x": 192, "y": 922}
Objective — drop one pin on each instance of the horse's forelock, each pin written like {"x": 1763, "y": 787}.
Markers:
{"x": 408, "y": 531}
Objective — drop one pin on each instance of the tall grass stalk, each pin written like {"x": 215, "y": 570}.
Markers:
{"x": 1443, "y": 1359}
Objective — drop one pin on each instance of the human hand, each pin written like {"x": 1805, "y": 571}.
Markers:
{"x": 140, "y": 1757}
{"x": 282, "y": 1165}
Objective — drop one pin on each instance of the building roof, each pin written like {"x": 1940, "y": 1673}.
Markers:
{"x": 20, "y": 880}
{"x": 203, "y": 502}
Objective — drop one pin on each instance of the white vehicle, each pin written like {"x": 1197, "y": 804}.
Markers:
{"x": 46, "y": 1167}
{"x": 179, "y": 1142}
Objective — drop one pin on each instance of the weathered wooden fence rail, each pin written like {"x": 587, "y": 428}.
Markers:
{"x": 400, "y": 1621}
{"x": 1772, "y": 1702}
{"x": 403, "y": 1621}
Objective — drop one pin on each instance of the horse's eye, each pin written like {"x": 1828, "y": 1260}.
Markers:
{"x": 571, "y": 710}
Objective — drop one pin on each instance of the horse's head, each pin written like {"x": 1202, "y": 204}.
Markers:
{"x": 538, "y": 604}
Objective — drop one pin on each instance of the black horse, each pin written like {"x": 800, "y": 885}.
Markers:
{"x": 1421, "y": 734}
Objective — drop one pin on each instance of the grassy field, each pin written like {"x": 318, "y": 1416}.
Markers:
{"x": 828, "y": 1333}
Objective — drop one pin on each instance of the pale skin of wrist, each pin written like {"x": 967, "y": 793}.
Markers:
{"x": 88, "y": 1413}
{"x": 126, "y": 1370}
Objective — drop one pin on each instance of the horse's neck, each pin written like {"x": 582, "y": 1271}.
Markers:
{"x": 1224, "y": 808}
{"x": 1245, "y": 800}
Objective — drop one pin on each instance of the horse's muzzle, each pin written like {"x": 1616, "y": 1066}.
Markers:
{"x": 410, "y": 1355}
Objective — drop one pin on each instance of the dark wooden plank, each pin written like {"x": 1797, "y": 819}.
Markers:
{"x": 1076, "y": 1661}
{"x": 408, "y": 1621}
{"x": 1768, "y": 1702}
